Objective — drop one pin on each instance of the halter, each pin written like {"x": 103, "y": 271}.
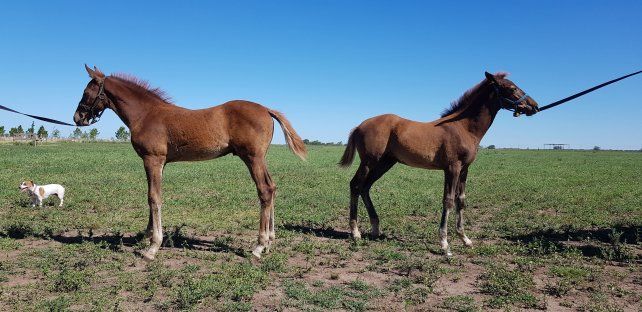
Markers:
{"x": 94, "y": 116}
{"x": 506, "y": 103}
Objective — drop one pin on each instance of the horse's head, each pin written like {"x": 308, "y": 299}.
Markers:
{"x": 511, "y": 97}
{"x": 94, "y": 101}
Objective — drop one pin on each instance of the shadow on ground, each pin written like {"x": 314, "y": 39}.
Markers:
{"x": 619, "y": 243}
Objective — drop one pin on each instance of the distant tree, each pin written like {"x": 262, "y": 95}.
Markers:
{"x": 596, "y": 148}
{"x": 93, "y": 133}
{"x": 306, "y": 141}
{"x": 491, "y": 146}
{"x": 77, "y": 134}
{"x": 1, "y": 130}
{"x": 13, "y": 131}
{"x": 42, "y": 133}
{"x": 55, "y": 134}
{"x": 32, "y": 130}
{"x": 20, "y": 131}
{"x": 122, "y": 134}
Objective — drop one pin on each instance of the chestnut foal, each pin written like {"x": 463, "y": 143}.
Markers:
{"x": 162, "y": 132}
{"x": 449, "y": 144}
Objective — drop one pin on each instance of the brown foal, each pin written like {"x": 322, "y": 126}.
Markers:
{"x": 162, "y": 132}
{"x": 449, "y": 144}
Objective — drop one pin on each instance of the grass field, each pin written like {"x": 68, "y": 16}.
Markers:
{"x": 557, "y": 230}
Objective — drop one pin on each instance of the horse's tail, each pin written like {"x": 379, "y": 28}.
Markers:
{"x": 295, "y": 143}
{"x": 348, "y": 154}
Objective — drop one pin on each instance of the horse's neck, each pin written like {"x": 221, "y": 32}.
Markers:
{"x": 125, "y": 103}
{"x": 479, "y": 116}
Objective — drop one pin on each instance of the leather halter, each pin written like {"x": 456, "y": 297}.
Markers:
{"x": 506, "y": 103}
{"x": 94, "y": 116}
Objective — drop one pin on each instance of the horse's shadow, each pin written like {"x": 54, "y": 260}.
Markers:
{"x": 331, "y": 233}
{"x": 117, "y": 241}
{"x": 318, "y": 232}
{"x": 606, "y": 243}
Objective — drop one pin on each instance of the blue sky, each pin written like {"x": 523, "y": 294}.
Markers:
{"x": 328, "y": 65}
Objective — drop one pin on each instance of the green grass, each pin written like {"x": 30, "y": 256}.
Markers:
{"x": 571, "y": 220}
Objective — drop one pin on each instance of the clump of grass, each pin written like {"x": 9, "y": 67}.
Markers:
{"x": 616, "y": 250}
{"x": 353, "y": 296}
{"x": 58, "y": 304}
{"x": 508, "y": 287}
{"x": 410, "y": 293}
{"x": 461, "y": 303}
{"x": 569, "y": 277}
{"x": 69, "y": 280}
{"x": 274, "y": 262}
{"x": 7, "y": 244}
{"x": 236, "y": 282}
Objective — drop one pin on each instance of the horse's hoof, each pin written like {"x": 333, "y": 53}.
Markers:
{"x": 257, "y": 251}
{"x": 148, "y": 257}
{"x": 356, "y": 235}
{"x": 468, "y": 242}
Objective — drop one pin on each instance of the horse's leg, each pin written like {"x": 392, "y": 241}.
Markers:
{"x": 271, "y": 229}
{"x": 461, "y": 205}
{"x": 374, "y": 174}
{"x": 150, "y": 228}
{"x": 451, "y": 178}
{"x": 154, "y": 170}
{"x": 266, "y": 189}
{"x": 356, "y": 185}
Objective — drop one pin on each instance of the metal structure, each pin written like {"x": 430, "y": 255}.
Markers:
{"x": 556, "y": 146}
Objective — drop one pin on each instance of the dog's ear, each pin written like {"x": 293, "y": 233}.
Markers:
{"x": 31, "y": 181}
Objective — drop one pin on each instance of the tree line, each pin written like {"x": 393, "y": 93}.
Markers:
{"x": 19, "y": 132}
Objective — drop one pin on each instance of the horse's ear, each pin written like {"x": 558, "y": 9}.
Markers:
{"x": 94, "y": 73}
{"x": 98, "y": 72}
{"x": 89, "y": 71}
{"x": 490, "y": 77}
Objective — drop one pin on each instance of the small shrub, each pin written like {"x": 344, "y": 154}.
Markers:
{"x": 508, "y": 287}
{"x": 70, "y": 280}
{"x": 460, "y": 303}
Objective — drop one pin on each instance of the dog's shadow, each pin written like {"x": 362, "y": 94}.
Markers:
{"x": 27, "y": 203}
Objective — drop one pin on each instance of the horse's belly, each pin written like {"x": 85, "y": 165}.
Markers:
{"x": 194, "y": 153}
{"x": 425, "y": 161}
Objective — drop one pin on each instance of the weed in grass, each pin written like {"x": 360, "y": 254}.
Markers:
{"x": 353, "y": 296}
{"x": 616, "y": 250}
{"x": 274, "y": 262}
{"x": 235, "y": 281}
{"x": 461, "y": 303}
{"x": 508, "y": 287}
{"x": 7, "y": 244}
{"x": 57, "y": 304}
{"x": 69, "y": 280}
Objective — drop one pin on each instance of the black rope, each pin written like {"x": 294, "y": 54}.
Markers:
{"x": 586, "y": 91}
{"x": 38, "y": 117}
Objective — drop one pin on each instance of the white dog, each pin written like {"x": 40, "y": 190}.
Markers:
{"x": 40, "y": 192}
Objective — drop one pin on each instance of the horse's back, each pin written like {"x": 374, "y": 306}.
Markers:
{"x": 249, "y": 125}
{"x": 373, "y": 135}
{"x": 410, "y": 142}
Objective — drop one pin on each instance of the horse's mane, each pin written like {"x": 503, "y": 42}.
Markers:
{"x": 144, "y": 86}
{"x": 464, "y": 100}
